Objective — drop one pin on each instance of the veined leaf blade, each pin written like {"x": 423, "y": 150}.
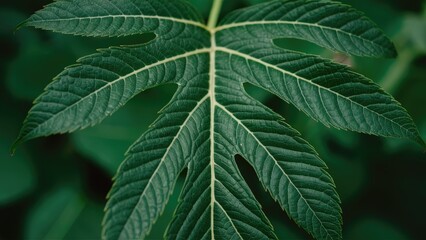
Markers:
{"x": 110, "y": 18}
{"x": 83, "y": 95}
{"x": 211, "y": 119}
{"x": 216, "y": 203}
{"x": 330, "y": 93}
{"x": 156, "y": 159}
{"x": 287, "y": 166}
{"x": 329, "y": 24}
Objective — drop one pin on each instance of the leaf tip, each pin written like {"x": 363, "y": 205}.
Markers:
{"x": 392, "y": 52}
{"x": 419, "y": 140}
{"x": 14, "y": 146}
{"x": 20, "y": 25}
{"x": 417, "y": 137}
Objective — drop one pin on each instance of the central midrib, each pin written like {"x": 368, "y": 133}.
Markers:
{"x": 212, "y": 83}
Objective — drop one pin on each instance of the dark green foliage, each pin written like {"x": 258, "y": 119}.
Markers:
{"x": 211, "y": 118}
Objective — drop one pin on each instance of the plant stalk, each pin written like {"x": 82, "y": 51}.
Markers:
{"x": 214, "y": 14}
{"x": 396, "y": 74}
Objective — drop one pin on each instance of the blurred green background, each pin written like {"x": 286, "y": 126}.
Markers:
{"x": 55, "y": 187}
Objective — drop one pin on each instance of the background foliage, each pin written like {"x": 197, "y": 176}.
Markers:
{"x": 55, "y": 187}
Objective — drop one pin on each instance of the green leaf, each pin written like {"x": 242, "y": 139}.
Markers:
{"x": 328, "y": 24}
{"x": 64, "y": 214}
{"x": 286, "y": 165}
{"x": 53, "y": 215}
{"x": 115, "y": 18}
{"x": 106, "y": 142}
{"x": 84, "y": 94}
{"x": 211, "y": 118}
{"x": 325, "y": 91}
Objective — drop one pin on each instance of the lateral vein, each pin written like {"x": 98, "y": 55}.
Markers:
{"x": 246, "y": 56}
{"x": 184, "y": 21}
{"x": 274, "y": 160}
{"x": 185, "y": 55}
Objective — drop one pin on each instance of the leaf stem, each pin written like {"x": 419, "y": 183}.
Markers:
{"x": 395, "y": 76}
{"x": 214, "y": 14}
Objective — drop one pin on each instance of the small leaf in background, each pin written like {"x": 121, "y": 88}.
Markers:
{"x": 64, "y": 214}
{"x": 88, "y": 223}
{"x": 24, "y": 77}
{"x": 53, "y": 215}
{"x": 29, "y": 83}
{"x": 415, "y": 29}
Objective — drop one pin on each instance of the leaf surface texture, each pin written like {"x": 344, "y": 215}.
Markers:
{"x": 211, "y": 118}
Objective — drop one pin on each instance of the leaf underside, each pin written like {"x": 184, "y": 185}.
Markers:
{"x": 211, "y": 118}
